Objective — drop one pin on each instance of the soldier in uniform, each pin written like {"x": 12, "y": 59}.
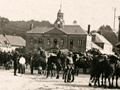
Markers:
{"x": 15, "y": 59}
{"x": 31, "y": 63}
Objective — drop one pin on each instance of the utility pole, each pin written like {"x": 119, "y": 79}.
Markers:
{"x": 119, "y": 30}
{"x": 114, "y": 19}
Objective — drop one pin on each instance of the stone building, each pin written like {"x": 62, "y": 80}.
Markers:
{"x": 60, "y": 36}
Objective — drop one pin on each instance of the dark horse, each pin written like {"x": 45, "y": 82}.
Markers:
{"x": 38, "y": 61}
{"x": 54, "y": 63}
{"x": 102, "y": 65}
{"x": 81, "y": 61}
{"x": 96, "y": 66}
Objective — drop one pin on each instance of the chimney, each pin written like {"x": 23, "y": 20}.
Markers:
{"x": 31, "y": 26}
{"x": 119, "y": 30}
{"x": 88, "y": 29}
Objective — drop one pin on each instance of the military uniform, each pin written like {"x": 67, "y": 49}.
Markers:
{"x": 15, "y": 59}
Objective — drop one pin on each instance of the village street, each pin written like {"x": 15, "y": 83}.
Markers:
{"x": 39, "y": 82}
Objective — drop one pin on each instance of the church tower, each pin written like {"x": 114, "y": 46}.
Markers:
{"x": 59, "y": 23}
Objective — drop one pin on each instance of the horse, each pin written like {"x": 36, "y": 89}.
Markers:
{"x": 102, "y": 65}
{"x": 80, "y": 61}
{"x": 54, "y": 63}
{"x": 117, "y": 73}
{"x": 96, "y": 66}
{"x": 38, "y": 61}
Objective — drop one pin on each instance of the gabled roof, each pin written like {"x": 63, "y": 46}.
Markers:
{"x": 100, "y": 39}
{"x": 40, "y": 30}
{"x": 2, "y": 41}
{"x": 95, "y": 46}
{"x": 16, "y": 40}
{"x": 56, "y": 31}
{"x": 2, "y": 38}
{"x": 68, "y": 29}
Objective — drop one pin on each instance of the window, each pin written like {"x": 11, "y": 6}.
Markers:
{"x": 71, "y": 42}
{"x": 62, "y": 42}
{"x": 48, "y": 42}
{"x": 79, "y": 42}
{"x": 55, "y": 41}
{"x": 31, "y": 40}
{"x": 40, "y": 41}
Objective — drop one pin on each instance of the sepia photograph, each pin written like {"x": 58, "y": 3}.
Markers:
{"x": 59, "y": 44}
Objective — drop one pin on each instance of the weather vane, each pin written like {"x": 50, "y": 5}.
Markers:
{"x": 61, "y": 5}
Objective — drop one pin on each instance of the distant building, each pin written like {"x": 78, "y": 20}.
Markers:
{"x": 60, "y": 36}
{"x": 103, "y": 43}
{"x": 10, "y": 42}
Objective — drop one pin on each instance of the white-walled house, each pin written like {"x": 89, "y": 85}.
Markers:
{"x": 15, "y": 41}
{"x": 10, "y": 42}
{"x": 88, "y": 42}
{"x": 103, "y": 43}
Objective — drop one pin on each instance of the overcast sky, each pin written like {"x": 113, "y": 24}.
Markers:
{"x": 93, "y": 12}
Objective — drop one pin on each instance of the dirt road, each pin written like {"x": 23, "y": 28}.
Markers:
{"x": 39, "y": 82}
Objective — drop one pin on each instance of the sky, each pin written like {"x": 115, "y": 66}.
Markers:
{"x": 93, "y": 12}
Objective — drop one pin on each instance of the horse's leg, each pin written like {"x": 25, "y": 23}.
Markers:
{"x": 48, "y": 71}
{"x": 98, "y": 81}
{"x": 51, "y": 73}
{"x": 109, "y": 82}
{"x": 105, "y": 82}
{"x": 112, "y": 80}
{"x": 32, "y": 69}
{"x": 63, "y": 74}
{"x": 90, "y": 81}
{"x": 57, "y": 77}
{"x": 102, "y": 80}
{"x": 116, "y": 81}
{"x": 77, "y": 71}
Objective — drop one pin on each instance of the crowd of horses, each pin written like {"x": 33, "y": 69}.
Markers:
{"x": 101, "y": 66}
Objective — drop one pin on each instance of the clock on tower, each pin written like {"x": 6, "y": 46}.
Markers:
{"x": 59, "y": 23}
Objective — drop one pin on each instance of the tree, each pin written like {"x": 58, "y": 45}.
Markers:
{"x": 108, "y": 33}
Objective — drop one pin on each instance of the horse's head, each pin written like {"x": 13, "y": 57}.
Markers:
{"x": 113, "y": 59}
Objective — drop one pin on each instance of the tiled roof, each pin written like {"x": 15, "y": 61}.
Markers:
{"x": 68, "y": 29}
{"x": 100, "y": 39}
{"x": 16, "y": 40}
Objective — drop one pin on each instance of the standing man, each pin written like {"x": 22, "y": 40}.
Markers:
{"x": 22, "y": 62}
{"x": 15, "y": 59}
{"x": 31, "y": 63}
